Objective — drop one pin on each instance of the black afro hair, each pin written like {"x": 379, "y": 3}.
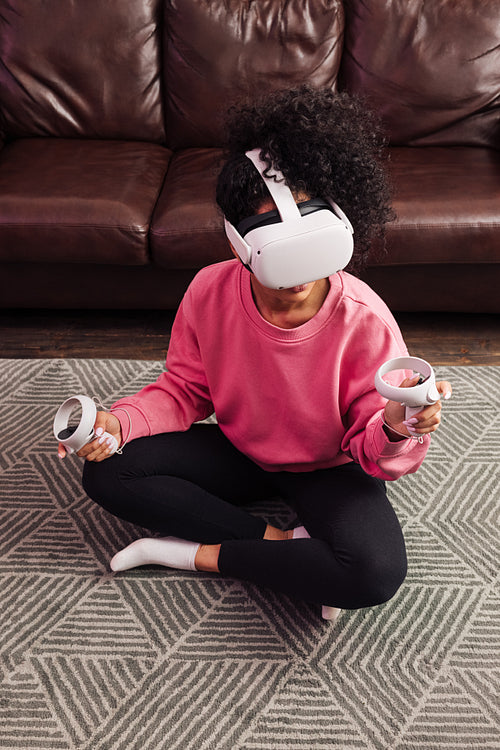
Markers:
{"x": 325, "y": 144}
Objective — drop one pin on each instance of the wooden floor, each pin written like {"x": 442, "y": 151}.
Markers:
{"x": 443, "y": 339}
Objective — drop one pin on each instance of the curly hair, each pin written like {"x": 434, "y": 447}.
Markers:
{"x": 325, "y": 144}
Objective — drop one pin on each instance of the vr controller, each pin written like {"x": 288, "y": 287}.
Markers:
{"x": 75, "y": 437}
{"x": 417, "y": 396}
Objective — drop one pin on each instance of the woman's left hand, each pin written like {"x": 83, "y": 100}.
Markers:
{"x": 426, "y": 421}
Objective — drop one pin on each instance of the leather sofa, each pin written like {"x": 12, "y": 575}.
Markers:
{"x": 111, "y": 137}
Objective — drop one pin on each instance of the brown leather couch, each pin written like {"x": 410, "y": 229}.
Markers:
{"x": 111, "y": 137}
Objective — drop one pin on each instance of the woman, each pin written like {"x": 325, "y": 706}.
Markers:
{"x": 289, "y": 374}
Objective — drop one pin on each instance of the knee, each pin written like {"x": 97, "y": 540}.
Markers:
{"x": 378, "y": 579}
{"x": 365, "y": 578}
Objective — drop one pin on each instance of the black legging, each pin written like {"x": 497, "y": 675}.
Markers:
{"x": 193, "y": 485}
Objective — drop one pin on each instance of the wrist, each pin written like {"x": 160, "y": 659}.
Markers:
{"x": 393, "y": 420}
{"x": 125, "y": 424}
{"x": 394, "y": 435}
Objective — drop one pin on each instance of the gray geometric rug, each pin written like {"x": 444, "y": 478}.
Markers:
{"x": 153, "y": 659}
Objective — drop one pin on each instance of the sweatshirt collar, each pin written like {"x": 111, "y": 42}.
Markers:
{"x": 304, "y": 331}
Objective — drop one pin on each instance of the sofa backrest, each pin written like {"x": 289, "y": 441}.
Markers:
{"x": 431, "y": 68}
{"x": 166, "y": 70}
{"x": 218, "y": 51}
{"x": 85, "y": 68}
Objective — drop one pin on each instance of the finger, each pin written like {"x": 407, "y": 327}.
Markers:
{"x": 94, "y": 445}
{"x": 444, "y": 389}
{"x": 107, "y": 450}
{"x": 88, "y": 448}
{"x": 424, "y": 421}
{"x": 61, "y": 451}
{"x": 409, "y": 382}
{"x": 101, "y": 420}
{"x": 429, "y": 411}
{"x": 96, "y": 455}
{"x": 423, "y": 426}
{"x": 106, "y": 422}
{"x": 421, "y": 417}
{"x": 430, "y": 424}
{"x": 430, "y": 417}
{"x": 102, "y": 450}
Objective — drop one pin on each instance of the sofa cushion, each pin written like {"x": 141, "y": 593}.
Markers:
{"x": 431, "y": 69}
{"x": 187, "y": 228}
{"x": 84, "y": 68}
{"x": 76, "y": 201}
{"x": 215, "y": 51}
{"x": 447, "y": 202}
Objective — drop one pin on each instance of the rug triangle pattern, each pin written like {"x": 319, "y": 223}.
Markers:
{"x": 152, "y": 659}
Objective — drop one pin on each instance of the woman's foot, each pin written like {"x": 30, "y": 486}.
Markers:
{"x": 330, "y": 613}
{"x": 168, "y": 551}
{"x": 273, "y": 534}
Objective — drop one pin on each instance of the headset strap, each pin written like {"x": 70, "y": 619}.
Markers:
{"x": 273, "y": 217}
{"x": 275, "y": 182}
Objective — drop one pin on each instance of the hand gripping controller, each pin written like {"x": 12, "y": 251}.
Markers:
{"x": 417, "y": 396}
{"x": 74, "y": 438}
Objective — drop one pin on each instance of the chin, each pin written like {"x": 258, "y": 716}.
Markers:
{"x": 300, "y": 288}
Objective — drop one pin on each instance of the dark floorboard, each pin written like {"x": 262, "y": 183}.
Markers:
{"x": 443, "y": 339}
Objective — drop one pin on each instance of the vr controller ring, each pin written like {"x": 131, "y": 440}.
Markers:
{"x": 417, "y": 396}
{"x": 74, "y": 438}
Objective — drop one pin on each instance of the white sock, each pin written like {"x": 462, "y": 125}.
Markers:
{"x": 330, "y": 613}
{"x": 168, "y": 551}
{"x": 300, "y": 532}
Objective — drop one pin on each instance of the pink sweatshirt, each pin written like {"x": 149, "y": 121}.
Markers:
{"x": 296, "y": 400}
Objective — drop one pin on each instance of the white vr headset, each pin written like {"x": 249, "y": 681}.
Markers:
{"x": 295, "y": 244}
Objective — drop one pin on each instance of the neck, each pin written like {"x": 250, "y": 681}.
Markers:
{"x": 290, "y": 308}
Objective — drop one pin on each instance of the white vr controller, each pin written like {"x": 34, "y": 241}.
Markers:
{"x": 417, "y": 396}
{"x": 75, "y": 437}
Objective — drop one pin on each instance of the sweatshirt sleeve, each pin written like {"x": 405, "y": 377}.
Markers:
{"x": 179, "y": 397}
{"x": 365, "y": 440}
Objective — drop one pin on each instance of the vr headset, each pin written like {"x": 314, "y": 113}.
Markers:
{"x": 295, "y": 244}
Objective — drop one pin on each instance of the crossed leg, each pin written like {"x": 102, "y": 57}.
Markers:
{"x": 195, "y": 486}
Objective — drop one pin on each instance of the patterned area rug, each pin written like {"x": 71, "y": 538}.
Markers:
{"x": 155, "y": 659}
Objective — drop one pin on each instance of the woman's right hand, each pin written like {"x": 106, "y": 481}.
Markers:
{"x": 98, "y": 449}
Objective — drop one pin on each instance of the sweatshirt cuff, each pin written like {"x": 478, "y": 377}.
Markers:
{"x": 133, "y": 422}
{"x": 385, "y": 447}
